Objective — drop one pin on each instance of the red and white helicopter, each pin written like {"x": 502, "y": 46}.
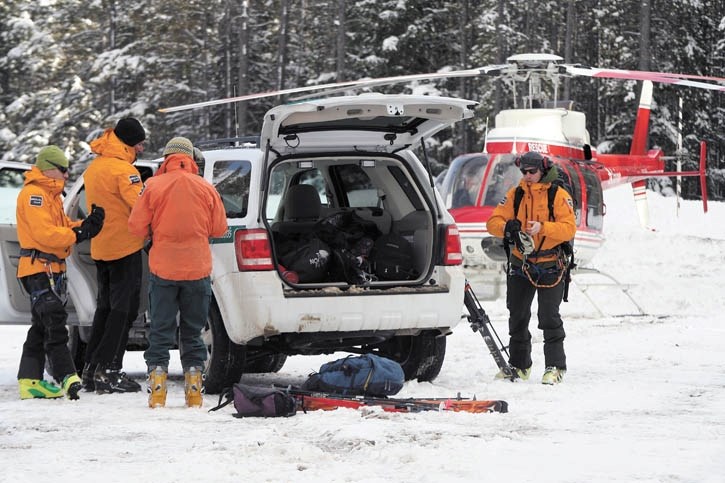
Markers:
{"x": 545, "y": 125}
{"x": 475, "y": 183}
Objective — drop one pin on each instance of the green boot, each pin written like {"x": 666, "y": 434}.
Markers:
{"x": 553, "y": 375}
{"x": 38, "y": 388}
{"x": 522, "y": 373}
{"x": 72, "y": 386}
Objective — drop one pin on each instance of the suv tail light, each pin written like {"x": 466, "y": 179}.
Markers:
{"x": 253, "y": 250}
{"x": 452, "y": 254}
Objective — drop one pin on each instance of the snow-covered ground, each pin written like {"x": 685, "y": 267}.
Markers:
{"x": 643, "y": 401}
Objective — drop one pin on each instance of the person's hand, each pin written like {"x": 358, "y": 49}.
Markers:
{"x": 94, "y": 221}
{"x": 92, "y": 225}
{"x": 511, "y": 231}
{"x": 533, "y": 227}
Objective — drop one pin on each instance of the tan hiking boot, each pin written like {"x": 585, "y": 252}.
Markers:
{"x": 156, "y": 386}
{"x": 194, "y": 387}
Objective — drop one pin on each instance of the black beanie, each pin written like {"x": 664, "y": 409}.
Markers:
{"x": 130, "y": 131}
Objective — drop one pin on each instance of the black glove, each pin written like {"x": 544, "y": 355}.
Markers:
{"x": 92, "y": 225}
{"x": 511, "y": 232}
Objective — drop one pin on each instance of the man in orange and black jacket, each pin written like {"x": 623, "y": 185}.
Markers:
{"x": 46, "y": 235}
{"x": 542, "y": 269}
{"x": 112, "y": 181}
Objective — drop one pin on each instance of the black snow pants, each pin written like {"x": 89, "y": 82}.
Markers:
{"x": 117, "y": 304}
{"x": 48, "y": 335}
{"x": 519, "y": 296}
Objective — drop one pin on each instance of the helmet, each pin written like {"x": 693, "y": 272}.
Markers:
{"x": 533, "y": 159}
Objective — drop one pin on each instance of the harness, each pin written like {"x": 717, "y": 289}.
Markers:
{"x": 35, "y": 253}
{"x": 57, "y": 281}
{"x": 564, "y": 251}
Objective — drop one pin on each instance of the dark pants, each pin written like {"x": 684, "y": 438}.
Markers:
{"x": 119, "y": 289}
{"x": 47, "y": 335}
{"x": 519, "y": 295}
{"x": 167, "y": 298}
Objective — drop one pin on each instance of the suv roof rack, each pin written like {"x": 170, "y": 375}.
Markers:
{"x": 240, "y": 141}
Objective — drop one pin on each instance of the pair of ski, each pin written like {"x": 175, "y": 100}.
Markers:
{"x": 482, "y": 324}
{"x": 314, "y": 401}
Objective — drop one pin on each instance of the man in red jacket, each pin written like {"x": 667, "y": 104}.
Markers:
{"x": 178, "y": 211}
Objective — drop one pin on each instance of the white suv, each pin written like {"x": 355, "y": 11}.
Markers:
{"x": 355, "y": 152}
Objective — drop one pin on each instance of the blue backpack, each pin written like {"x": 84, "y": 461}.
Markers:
{"x": 365, "y": 375}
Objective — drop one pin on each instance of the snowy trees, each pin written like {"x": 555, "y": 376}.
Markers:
{"x": 68, "y": 68}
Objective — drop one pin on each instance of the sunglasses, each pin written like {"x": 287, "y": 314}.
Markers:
{"x": 529, "y": 170}
{"x": 60, "y": 168}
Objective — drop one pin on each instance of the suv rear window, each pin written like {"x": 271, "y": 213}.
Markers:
{"x": 231, "y": 180}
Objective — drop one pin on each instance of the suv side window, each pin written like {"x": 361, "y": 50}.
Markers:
{"x": 11, "y": 182}
{"x": 356, "y": 186}
{"x": 231, "y": 180}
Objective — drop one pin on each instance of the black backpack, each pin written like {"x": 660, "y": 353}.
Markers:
{"x": 392, "y": 258}
{"x": 309, "y": 259}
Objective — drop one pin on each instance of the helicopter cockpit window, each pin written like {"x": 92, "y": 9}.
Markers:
{"x": 466, "y": 181}
{"x": 595, "y": 200}
{"x": 576, "y": 189}
{"x": 504, "y": 176}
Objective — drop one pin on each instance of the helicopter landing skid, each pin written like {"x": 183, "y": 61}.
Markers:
{"x": 585, "y": 286}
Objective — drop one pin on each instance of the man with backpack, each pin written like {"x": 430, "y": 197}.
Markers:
{"x": 538, "y": 232}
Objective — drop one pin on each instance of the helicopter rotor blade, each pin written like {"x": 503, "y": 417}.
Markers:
{"x": 518, "y": 65}
{"x": 249, "y": 97}
{"x": 347, "y": 85}
{"x": 492, "y": 70}
{"x": 662, "y": 77}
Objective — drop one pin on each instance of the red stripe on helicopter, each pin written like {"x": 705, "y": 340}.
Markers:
{"x": 506, "y": 147}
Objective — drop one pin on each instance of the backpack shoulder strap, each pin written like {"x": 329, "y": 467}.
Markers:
{"x": 552, "y": 196}
{"x": 228, "y": 396}
{"x": 518, "y": 196}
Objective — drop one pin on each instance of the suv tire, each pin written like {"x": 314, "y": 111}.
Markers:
{"x": 265, "y": 364}
{"x": 225, "y": 360}
{"x": 421, "y": 356}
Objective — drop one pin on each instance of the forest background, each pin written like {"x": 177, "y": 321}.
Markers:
{"x": 69, "y": 69}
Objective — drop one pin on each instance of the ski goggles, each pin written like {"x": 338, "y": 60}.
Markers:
{"x": 62, "y": 169}
{"x": 529, "y": 170}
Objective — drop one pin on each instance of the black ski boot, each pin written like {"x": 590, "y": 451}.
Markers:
{"x": 87, "y": 377}
{"x": 108, "y": 380}
{"x": 130, "y": 384}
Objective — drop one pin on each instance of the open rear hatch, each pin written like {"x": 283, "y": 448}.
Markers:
{"x": 370, "y": 122}
{"x": 350, "y": 211}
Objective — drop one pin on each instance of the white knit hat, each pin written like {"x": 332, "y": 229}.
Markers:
{"x": 179, "y": 145}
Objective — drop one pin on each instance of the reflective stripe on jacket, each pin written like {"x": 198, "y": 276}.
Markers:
{"x": 42, "y": 223}
{"x": 535, "y": 207}
{"x": 180, "y": 211}
{"x": 111, "y": 181}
